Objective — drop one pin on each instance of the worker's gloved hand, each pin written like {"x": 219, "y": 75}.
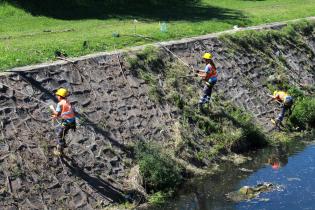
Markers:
{"x": 51, "y": 107}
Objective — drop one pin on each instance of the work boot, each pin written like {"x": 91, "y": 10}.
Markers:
{"x": 278, "y": 122}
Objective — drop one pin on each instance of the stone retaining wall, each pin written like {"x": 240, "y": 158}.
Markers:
{"x": 116, "y": 113}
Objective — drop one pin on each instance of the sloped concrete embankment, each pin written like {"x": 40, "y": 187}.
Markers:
{"x": 118, "y": 112}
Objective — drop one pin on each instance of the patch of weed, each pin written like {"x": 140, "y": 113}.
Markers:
{"x": 159, "y": 198}
{"x": 160, "y": 173}
{"x": 148, "y": 65}
{"x": 303, "y": 114}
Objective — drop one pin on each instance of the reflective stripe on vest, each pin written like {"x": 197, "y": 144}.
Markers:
{"x": 212, "y": 73}
{"x": 66, "y": 111}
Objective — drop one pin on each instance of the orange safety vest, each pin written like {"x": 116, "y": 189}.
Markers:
{"x": 66, "y": 110}
{"x": 212, "y": 73}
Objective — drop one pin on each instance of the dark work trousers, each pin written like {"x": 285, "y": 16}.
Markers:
{"x": 284, "y": 107}
{"x": 207, "y": 90}
{"x": 62, "y": 130}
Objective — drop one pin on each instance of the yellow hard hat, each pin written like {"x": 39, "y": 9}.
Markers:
{"x": 63, "y": 92}
{"x": 207, "y": 56}
{"x": 275, "y": 92}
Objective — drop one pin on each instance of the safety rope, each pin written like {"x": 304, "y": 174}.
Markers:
{"x": 297, "y": 83}
{"x": 125, "y": 78}
{"x": 186, "y": 64}
{"x": 164, "y": 47}
{"x": 53, "y": 121}
{"x": 256, "y": 88}
{"x": 12, "y": 88}
{"x": 122, "y": 71}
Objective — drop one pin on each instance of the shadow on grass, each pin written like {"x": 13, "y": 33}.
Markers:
{"x": 96, "y": 9}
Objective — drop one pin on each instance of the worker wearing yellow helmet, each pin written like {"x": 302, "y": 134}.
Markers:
{"x": 286, "y": 103}
{"x": 66, "y": 113}
{"x": 209, "y": 75}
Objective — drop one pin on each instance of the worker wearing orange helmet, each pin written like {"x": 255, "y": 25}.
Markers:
{"x": 64, "y": 111}
{"x": 209, "y": 75}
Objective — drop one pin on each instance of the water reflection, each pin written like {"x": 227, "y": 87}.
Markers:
{"x": 278, "y": 158}
{"x": 291, "y": 167}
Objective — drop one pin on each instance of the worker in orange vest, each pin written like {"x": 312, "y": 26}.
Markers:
{"x": 66, "y": 112}
{"x": 286, "y": 103}
{"x": 209, "y": 75}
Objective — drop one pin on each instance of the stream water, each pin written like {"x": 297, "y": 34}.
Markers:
{"x": 291, "y": 168}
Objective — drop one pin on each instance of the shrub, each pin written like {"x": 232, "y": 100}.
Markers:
{"x": 158, "y": 198}
{"x": 159, "y": 171}
{"x": 295, "y": 92}
{"x": 149, "y": 59}
{"x": 304, "y": 27}
{"x": 251, "y": 135}
{"x": 147, "y": 64}
{"x": 175, "y": 98}
{"x": 303, "y": 114}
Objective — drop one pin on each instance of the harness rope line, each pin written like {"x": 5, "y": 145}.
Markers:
{"x": 168, "y": 50}
{"x": 251, "y": 81}
{"x": 279, "y": 63}
{"x": 297, "y": 83}
{"x": 122, "y": 71}
{"x": 75, "y": 65}
{"x": 44, "y": 103}
{"x": 12, "y": 88}
{"x": 65, "y": 59}
{"x": 186, "y": 64}
{"x": 246, "y": 77}
{"x": 125, "y": 78}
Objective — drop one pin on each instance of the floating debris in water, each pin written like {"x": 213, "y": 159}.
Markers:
{"x": 247, "y": 193}
{"x": 246, "y": 170}
{"x": 236, "y": 159}
{"x": 293, "y": 179}
{"x": 264, "y": 199}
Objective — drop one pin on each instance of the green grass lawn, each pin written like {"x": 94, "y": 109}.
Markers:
{"x": 31, "y": 33}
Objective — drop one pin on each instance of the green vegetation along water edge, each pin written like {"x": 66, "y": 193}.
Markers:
{"x": 202, "y": 138}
